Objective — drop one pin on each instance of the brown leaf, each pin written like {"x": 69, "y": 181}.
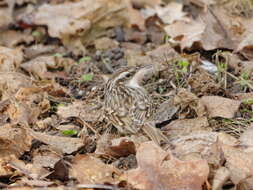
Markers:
{"x": 11, "y": 82}
{"x": 65, "y": 145}
{"x": 105, "y": 43}
{"x": 246, "y": 137}
{"x": 144, "y": 3}
{"x": 171, "y": 12}
{"x": 5, "y": 17}
{"x": 186, "y": 126}
{"x": 156, "y": 57}
{"x": 10, "y": 59}
{"x": 79, "y": 109}
{"x": 90, "y": 170}
{"x": 87, "y": 20}
{"x": 239, "y": 163}
{"x": 14, "y": 140}
{"x": 220, "y": 107}
{"x": 12, "y": 38}
{"x": 39, "y": 66}
{"x": 158, "y": 169}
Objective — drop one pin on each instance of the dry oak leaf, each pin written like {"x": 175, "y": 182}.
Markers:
{"x": 12, "y": 38}
{"x": 171, "y": 12}
{"x": 83, "y": 21}
{"x": 186, "y": 126}
{"x": 144, "y": 3}
{"x": 239, "y": 162}
{"x": 11, "y": 82}
{"x": 220, "y": 107}
{"x": 159, "y": 169}
{"x": 40, "y": 66}
{"x": 10, "y": 59}
{"x": 90, "y": 170}
{"x": 14, "y": 140}
{"x": 65, "y": 145}
{"x": 79, "y": 109}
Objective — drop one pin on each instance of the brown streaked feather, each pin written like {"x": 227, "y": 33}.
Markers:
{"x": 128, "y": 106}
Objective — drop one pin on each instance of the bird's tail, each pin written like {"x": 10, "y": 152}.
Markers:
{"x": 154, "y": 133}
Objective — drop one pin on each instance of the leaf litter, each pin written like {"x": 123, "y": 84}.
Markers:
{"x": 55, "y": 57}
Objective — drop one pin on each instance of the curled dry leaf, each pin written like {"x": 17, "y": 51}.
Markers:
{"x": 239, "y": 163}
{"x": 105, "y": 43}
{"x": 220, "y": 177}
{"x": 79, "y": 109}
{"x": 11, "y": 82}
{"x": 12, "y": 38}
{"x": 156, "y": 57}
{"x": 120, "y": 147}
{"x": 39, "y": 66}
{"x": 247, "y": 137}
{"x": 165, "y": 111}
{"x": 171, "y": 12}
{"x": 90, "y": 170}
{"x": 144, "y": 3}
{"x": 158, "y": 169}
{"x": 26, "y": 105}
{"x": 66, "y": 145}
{"x": 5, "y": 17}
{"x": 86, "y": 19}
{"x": 14, "y": 140}
{"x": 10, "y": 59}
{"x": 188, "y": 101}
{"x": 220, "y": 107}
{"x": 186, "y": 126}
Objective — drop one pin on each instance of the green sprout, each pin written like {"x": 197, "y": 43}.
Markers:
{"x": 87, "y": 77}
{"x": 84, "y": 59}
{"x": 69, "y": 132}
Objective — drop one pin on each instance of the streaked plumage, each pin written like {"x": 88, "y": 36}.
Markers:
{"x": 128, "y": 106}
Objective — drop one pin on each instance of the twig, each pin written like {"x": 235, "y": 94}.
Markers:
{"x": 96, "y": 186}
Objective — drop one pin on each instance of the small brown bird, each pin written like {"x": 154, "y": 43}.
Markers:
{"x": 128, "y": 106}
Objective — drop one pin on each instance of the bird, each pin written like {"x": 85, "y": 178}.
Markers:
{"x": 127, "y": 104}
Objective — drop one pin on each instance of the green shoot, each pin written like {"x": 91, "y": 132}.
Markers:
{"x": 87, "y": 77}
{"x": 69, "y": 132}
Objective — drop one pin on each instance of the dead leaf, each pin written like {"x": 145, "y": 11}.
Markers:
{"x": 158, "y": 169}
{"x": 11, "y": 82}
{"x": 12, "y": 38}
{"x": 39, "y": 49}
{"x": 79, "y": 109}
{"x": 171, "y": 12}
{"x": 145, "y": 3}
{"x": 84, "y": 23}
{"x": 14, "y": 140}
{"x": 166, "y": 111}
{"x": 246, "y": 137}
{"x": 105, "y": 43}
{"x": 238, "y": 162}
{"x": 181, "y": 127}
{"x": 40, "y": 66}
{"x": 157, "y": 57}
{"x": 220, "y": 107}
{"x": 65, "y": 145}
{"x": 220, "y": 178}
{"x": 5, "y": 17}
{"x": 90, "y": 170}
{"x": 10, "y": 59}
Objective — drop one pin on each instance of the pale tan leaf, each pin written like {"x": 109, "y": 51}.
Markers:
{"x": 220, "y": 107}
{"x": 66, "y": 145}
{"x": 158, "y": 169}
{"x": 90, "y": 170}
